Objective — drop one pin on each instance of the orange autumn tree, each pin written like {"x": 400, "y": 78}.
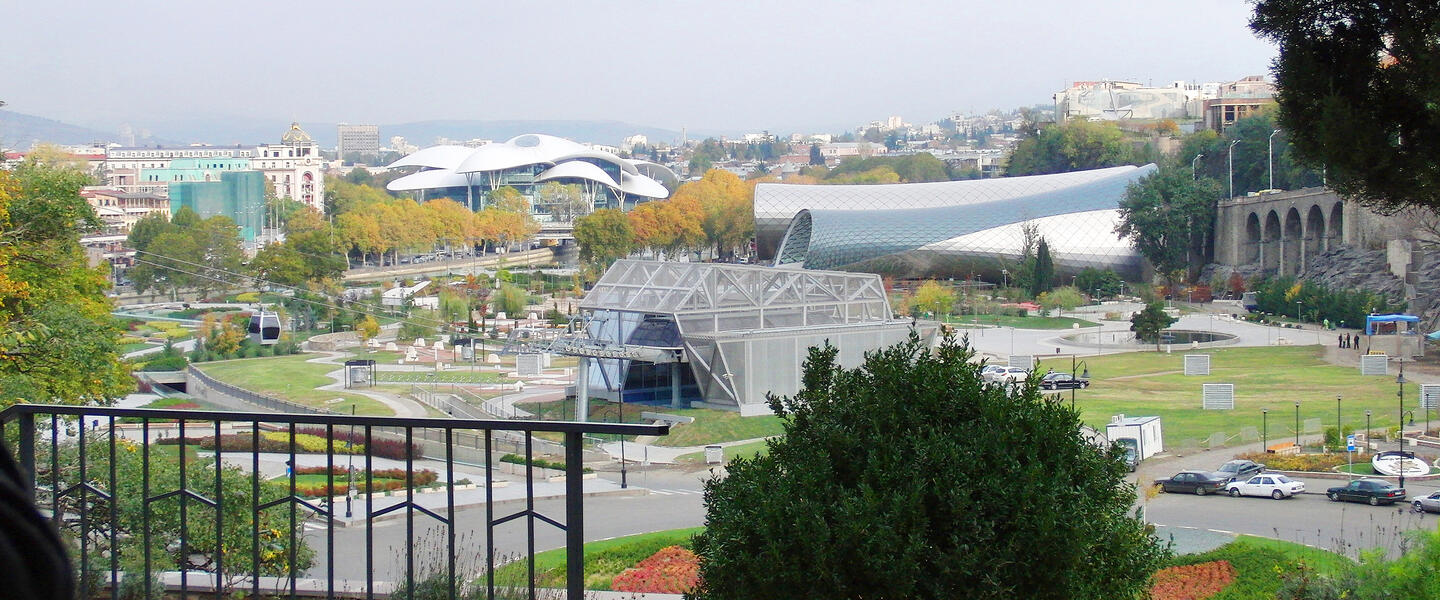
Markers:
{"x": 726, "y": 205}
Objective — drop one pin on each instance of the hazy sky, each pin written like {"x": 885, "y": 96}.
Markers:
{"x": 734, "y": 65}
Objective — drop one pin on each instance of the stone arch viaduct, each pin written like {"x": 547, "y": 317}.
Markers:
{"x": 1283, "y": 232}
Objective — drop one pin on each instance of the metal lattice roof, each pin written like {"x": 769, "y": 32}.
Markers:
{"x": 699, "y": 288}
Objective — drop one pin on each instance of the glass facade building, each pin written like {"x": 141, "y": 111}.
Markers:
{"x": 739, "y": 331}
{"x": 239, "y": 195}
{"x": 948, "y": 229}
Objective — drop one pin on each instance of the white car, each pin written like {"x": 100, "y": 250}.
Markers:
{"x": 1274, "y": 485}
{"x": 988, "y": 372}
{"x": 1011, "y": 375}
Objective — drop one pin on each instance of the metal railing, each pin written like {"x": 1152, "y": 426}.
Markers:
{"x": 108, "y": 494}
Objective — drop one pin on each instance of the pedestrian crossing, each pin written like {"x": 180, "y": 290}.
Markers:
{"x": 674, "y": 492}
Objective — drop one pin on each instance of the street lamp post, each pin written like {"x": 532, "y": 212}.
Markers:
{"x": 1367, "y": 431}
{"x": 1005, "y": 278}
{"x": 1193, "y": 173}
{"x": 1230, "y": 165}
{"x": 621, "y": 378}
{"x": 1400, "y": 430}
{"x": 1264, "y": 430}
{"x": 1271, "y": 166}
{"x": 1298, "y": 317}
{"x": 1297, "y": 423}
{"x": 1339, "y": 428}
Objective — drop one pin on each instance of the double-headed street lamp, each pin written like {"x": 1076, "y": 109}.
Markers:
{"x": 1339, "y": 429}
{"x": 1194, "y": 174}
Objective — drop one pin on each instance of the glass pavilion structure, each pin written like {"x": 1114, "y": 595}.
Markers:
{"x": 951, "y": 228}
{"x": 723, "y": 335}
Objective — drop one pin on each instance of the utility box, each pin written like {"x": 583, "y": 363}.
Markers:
{"x": 1139, "y": 433}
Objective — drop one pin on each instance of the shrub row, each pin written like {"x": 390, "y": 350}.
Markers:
{"x": 539, "y": 462}
{"x": 382, "y": 447}
{"x": 1297, "y": 462}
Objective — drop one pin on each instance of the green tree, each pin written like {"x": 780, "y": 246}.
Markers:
{"x": 1169, "y": 218}
{"x": 508, "y": 199}
{"x": 933, "y": 298}
{"x": 1042, "y": 278}
{"x": 1075, "y": 145}
{"x": 164, "y": 515}
{"x": 510, "y": 299}
{"x": 1359, "y": 86}
{"x": 58, "y": 343}
{"x": 816, "y": 157}
{"x": 843, "y": 507}
{"x": 1102, "y": 283}
{"x": 564, "y": 202}
{"x": 1062, "y": 298}
{"x": 1147, "y": 324}
{"x": 604, "y": 236}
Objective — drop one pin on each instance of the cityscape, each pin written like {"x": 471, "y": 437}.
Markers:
{"x": 432, "y": 324}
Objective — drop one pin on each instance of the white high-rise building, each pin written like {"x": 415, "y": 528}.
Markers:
{"x": 294, "y": 167}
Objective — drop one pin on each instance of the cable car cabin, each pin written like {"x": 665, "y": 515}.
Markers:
{"x": 265, "y": 328}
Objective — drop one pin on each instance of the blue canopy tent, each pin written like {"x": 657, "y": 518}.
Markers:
{"x": 1389, "y": 324}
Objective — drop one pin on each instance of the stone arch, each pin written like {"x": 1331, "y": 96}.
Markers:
{"x": 1292, "y": 243}
{"x": 1253, "y": 239}
{"x": 1270, "y": 244}
{"x": 1314, "y": 234}
{"x": 1335, "y": 228}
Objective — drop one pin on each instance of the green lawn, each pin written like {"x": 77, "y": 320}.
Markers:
{"x": 291, "y": 378}
{"x": 603, "y": 559}
{"x": 712, "y": 426}
{"x": 1021, "y": 322}
{"x": 135, "y": 347}
{"x": 748, "y": 450}
{"x": 1153, "y": 384}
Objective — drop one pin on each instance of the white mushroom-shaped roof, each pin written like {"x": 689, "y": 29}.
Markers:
{"x": 623, "y": 164}
{"x": 656, "y": 171}
{"x": 640, "y": 185}
{"x": 577, "y": 169}
{"x": 428, "y": 180}
{"x": 434, "y": 157}
{"x": 448, "y": 166}
{"x": 521, "y": 150}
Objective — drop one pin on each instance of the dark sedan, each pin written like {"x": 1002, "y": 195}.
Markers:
{"x": 1241, "y": 470}
{"x": 1063, "y": 381}
{"x": 1372, "y": 491}
{"x": 1193, "y": 482}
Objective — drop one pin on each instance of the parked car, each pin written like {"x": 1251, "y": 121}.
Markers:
{"x": 1011, "y": 375}
{"x": 1429, "y": 503}
{"x": 1274, "y": 485}
{"x": 1063, "y": 381}
{"x": 1373, "y": 491}
{"x": 988, "y": 372}
{"x": 1241, "y": 470}
{"x": 1194, "y": 482}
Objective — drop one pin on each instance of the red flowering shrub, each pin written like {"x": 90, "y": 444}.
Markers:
{"x": 672, "y": 570}
{"x": 1192, "y": 582}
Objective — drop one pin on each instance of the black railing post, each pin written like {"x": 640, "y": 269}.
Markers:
{"x": 27, "y": 451}
{"x": 574, "y": 518}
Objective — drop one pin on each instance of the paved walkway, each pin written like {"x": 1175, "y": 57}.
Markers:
{"x": 403, "y": 407}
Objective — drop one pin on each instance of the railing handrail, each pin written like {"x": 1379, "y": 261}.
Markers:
{"x": 15, "y": 411}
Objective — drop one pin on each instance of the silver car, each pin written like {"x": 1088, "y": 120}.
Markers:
{"x": 1429, "y": 503}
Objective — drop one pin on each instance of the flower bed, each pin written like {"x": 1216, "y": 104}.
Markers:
{"x": 672, "y": 570}
{"x": 306, "y": 443}
{"x": 1192, "y": 582}
{"x": 381, "y": 480}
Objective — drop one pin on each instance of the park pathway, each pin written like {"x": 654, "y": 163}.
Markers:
{"x": 403, "y": 407}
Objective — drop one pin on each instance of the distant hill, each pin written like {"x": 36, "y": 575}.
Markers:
{"x": 424, "y": 133}
{"x": 20, "y": 131}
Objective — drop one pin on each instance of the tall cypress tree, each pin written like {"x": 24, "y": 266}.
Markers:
{"x": 1044, "y": 273}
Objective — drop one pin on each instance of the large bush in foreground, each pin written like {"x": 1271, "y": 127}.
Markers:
{"x": 909, "y": 478}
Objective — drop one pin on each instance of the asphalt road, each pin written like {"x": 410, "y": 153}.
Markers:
{"x": 674, "y": 502}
